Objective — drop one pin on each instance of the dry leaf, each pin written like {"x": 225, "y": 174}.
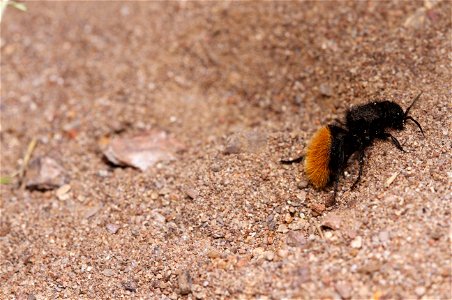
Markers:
{"x": 142, "y": 151}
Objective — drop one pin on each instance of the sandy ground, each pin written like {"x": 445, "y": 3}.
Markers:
{"x": 241, "y": 85}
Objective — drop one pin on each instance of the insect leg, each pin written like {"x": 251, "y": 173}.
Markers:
{"x": 292, "y": 161}
{"x": 394, "y": 141}
{"x": 339, "y": 122}
{"x": 361, "y": 166}
{"x": 332, "y": 200}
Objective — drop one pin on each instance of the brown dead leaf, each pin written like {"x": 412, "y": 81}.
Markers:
{"x": 142, "y": 151}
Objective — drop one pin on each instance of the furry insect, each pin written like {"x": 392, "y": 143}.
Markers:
{"x": 331, "y": 146}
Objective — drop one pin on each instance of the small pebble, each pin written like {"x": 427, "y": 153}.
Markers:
{"x": 298, "y": 225}
{"x": 25, "y": 297}
{"x": 45, "y": 173}
{"x": 344, "y": 290}
{"x": 326, "y": 90}
{"x": 282, "y": 228}
{"x": 357, "y": 242}
{"x": 103, "y": 173}
{"x": 270, "y": 240}
{"x": 163, "y": 285}
{"x": 258, "y": 252}
{"x": 328, "y": 234}
{"x": 332, "y": 221}
{"x": 283, "y": 253}
{"x": 302, "y": 185}
{"x": 191, "y": 192}
{"x": 112, "y": 228}
{"x": 217, "y": 235}
{"x": 420, "y": 291}
{"x": 317, "y": 209}
{"x": 383, "y": 236}
{"x": 157, "y": 217}
{"x": 216, "y": 167}
{"x": 269, "y": 255}
{"x": 371, "y": 267}
{"x": 415, "y": 20}
{"x": 213, "y": 253}
{"x": 108, "y": 272}
{"x": 184, "y": 283}
{"x": 130, "y": 286}
{"x": 288, "y": 218}
{"x": 296, "y": 239}
{"x": 5, "y": 228}
{"x": 242, "y": 262}
{"x": 436, "y": 234}
{"x": 301, "y": 196}
{"x": 90, "y": 212}
{"x": 233, "y": 146}
{"x": 62, "y": 192}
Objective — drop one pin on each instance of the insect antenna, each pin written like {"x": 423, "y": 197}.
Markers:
{"x": 411, "y": 105}
{"x": 407, "y": 117}
{"x": 417, "y": 123}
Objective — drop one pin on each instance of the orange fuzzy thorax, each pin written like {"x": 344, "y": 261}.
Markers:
{"x": 318, "y": 157}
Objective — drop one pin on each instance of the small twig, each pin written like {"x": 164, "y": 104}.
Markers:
{"x": 5, "y": 3}
{"x": 18, "y": 5}
{"x": 391, "y": 179}
{"x": 31, "y": 147}
{"x": 319, "y": 230}
{"x": 3, "y": 6}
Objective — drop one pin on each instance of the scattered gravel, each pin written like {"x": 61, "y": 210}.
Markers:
{"x": 240, "y": 86}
